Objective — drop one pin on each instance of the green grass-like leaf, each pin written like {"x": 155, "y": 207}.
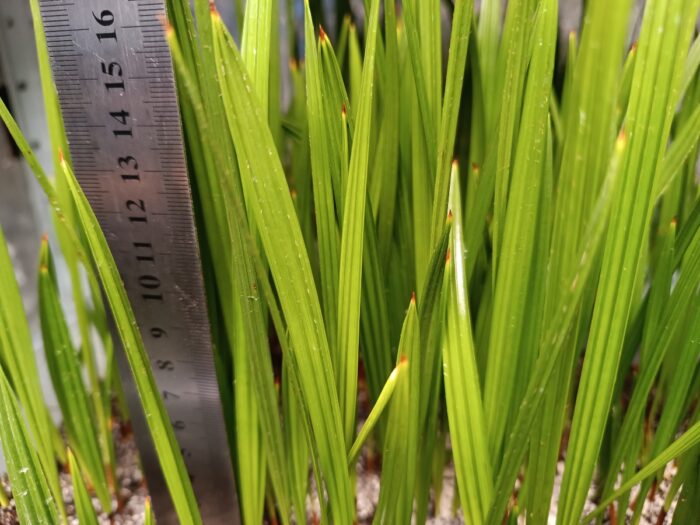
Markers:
{"x": 157, "y": 419}
{"x": 30, "y": 489}
{"x": 64, "y": 367}
{"x": 83, "y": 503}
{"x": 280, "y": 235}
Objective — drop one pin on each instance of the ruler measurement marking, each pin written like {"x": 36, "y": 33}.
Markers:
{"x": 125, "y": 140}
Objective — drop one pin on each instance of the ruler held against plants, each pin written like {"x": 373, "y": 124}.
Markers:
{"x": 113, "y": 71}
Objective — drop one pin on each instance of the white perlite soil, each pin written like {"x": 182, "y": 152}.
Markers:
{"x": 368, "y": 498}
{"x": 133, "y": 494}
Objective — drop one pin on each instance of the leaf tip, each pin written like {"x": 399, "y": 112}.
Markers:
{"x": 413, "y": 298}
{"x": 448, "y": 256}
{"x": 621, "y": 141}
{"x": 169, "y": 31}
{"x": 403, "y": 360}
{"x": 322, "y": 34}
{"x": 213, "y": 10}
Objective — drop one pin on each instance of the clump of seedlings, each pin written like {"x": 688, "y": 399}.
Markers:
{"x": 495, "y": 246}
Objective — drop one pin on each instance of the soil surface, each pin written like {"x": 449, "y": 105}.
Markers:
{"x": 133, "y": 494}
{"x": 129, "y": 502}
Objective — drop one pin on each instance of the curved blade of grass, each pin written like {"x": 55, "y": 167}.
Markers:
{"x": 83, "y": 502}
{"x": 321, "y": 173}
{"x": 255, "y": 46}
{"x": 691, "y": 66}
{"x": 283, "y": 243}
{"x": 664, "y": 336}
{"x": 399, "y": 459}
{"x": 245, "y": 303}
{"x": 554, "y": 340}
{"x": 456, "y": 63}
{"x": 425, "y": 116}
{"x": 352, "y": 241}
{"x": 665, "y": 35}
{"x": 377, "y": 410}
{"x": 465, "y": 410}
{"x": 250, "y": 460}
{"x": 169, "y": 455}
{"x": 427, "y": 306}
{"x": 688, "y": 440}
{"x": 65, "y": 370}
{"x": 70, "y": 252}
{"x": 513, "y": 58}
{"x": 683, "y": 145}
{"x": 256, "y": 52}
{"x": 535, "y": 495}
{"x": 29, "y": 486}
{"x": 661, "y": 285}
{"x": 17, "y": 358}
{"x": 679, "y": 393}
{"x": 431, "y": 314}
{"x": 374, "y": 323}
{"x": 334, "y": 98}
{"x": 519, "y": 230}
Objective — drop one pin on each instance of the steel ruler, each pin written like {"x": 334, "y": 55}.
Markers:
{"x": 113, "y": 71}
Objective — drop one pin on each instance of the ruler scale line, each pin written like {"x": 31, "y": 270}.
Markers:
{"x": 114, "y": 76}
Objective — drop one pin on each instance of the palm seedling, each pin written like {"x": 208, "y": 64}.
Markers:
{"x": 499, "y": 246}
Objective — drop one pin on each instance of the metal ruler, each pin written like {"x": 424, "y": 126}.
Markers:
{"x": 113, "y": 72}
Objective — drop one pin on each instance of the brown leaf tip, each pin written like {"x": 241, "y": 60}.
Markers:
{"x": 321, "y": 33}
{"x": 449, "y": 216}
{"x": 212, "y": 7}
{"x": 621, "y": 141}
{"x": 674, "y": 222}
{"x": 633, "y": 47}
{"x": 293, "y": 64}
{"x": 166, "y": 24}
{"x": 403, "y": 360}
{"x": 45, "y": 238}
{"x": 448, "y": 256}
{"x": 344, "y": 110}
{"x": 413, "y": 298}
{"x": 475, "y": 167}
{"x": 455, "y": 164}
